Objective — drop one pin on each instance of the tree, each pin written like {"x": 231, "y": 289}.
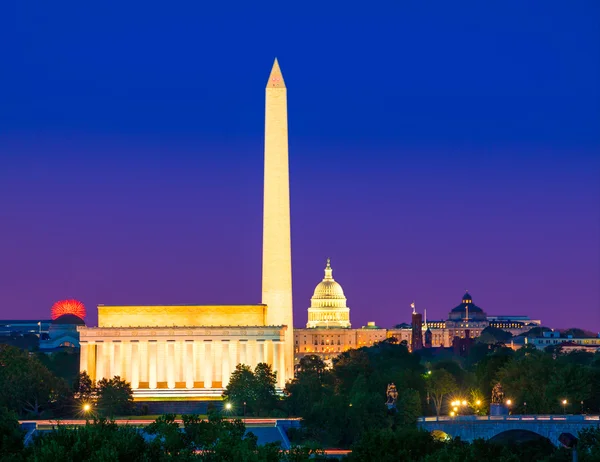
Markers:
{"x": 11, "y": 435}
{"x": 309, "y": 386}
{"x": 408, "y": 406}
{"x": 101, "y": 440}
{"x": 26, "y": 385}
{"x": 255, "y": 390}
{"x": 494, "y": 335}
{"x": 266, "y": 379}
{"x": 83, "y": 388}
{"x": 440, "y": 384}
{"x": 525, "y": 380}
{"x": 115, "y": 397}
{"x": 385, "y": 445}
{"x": 241, "y": 387}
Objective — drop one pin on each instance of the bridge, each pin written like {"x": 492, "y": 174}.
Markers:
{"x": 472, "y": 427}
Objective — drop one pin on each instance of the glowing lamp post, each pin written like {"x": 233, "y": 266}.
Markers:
{"x": 564, "y": 405}
{"x": 508, "y": 404}
{"x": 87, "y": 407}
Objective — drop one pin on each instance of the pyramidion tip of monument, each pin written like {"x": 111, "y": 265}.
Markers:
{"x": 275, "y": 78}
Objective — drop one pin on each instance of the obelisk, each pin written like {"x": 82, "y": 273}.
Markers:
{"x": 277, "y": 250}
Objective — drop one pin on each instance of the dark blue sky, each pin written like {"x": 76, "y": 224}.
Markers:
{"x": 434, "y": 146}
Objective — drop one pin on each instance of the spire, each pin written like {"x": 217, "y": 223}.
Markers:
{"x": 425, "y": 316}
{"x": 328, "y": 270}
{"x": 275, "y": 78}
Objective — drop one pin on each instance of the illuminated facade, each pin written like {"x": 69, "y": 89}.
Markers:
{"x": 328, "y": 304}
{"x": 328, "y": 331}
{"x": 190, "y": 351}
{"x": 327, "y": 337}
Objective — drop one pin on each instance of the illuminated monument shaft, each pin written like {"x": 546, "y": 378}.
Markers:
{"x": 277, "y": 252}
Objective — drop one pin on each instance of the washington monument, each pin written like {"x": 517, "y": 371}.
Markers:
{"x": 277, "y": 251}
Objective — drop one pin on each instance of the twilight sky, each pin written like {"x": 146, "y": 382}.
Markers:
{"x": 434, "y": 147}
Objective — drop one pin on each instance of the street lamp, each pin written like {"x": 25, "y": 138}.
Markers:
{"x": 228, "y": 406}
{"x": 87, "y": 407}
{"x": 244, "y": 409}
{"x": 464, "y": 403}
{"x": 564, "y": 405}
{"x": 508, "y": 404}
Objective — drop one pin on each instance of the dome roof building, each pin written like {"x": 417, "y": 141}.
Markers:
{"x": 467, "y": 311}
{"x": 328, "y": 304}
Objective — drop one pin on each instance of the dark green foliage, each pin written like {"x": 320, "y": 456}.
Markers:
{"x": 101, "y": 441}
{"x": 341, "y": 404}
{"x": 312, "y": 383}
{"x": 589, "y": 445}
{"x": 115, "y": 397}
{"x": 255, "y": 389}
{"x": 11, "y": 436}
{"x": 26, "y": 385}
{"x": 63, "y": 364}
{"x": 386, "y": 445}
{"x": 408, "y": 407}
{"x": 494, "y": 335}
{"x": 83, "y": 388}
{"x": 440, "y": 385}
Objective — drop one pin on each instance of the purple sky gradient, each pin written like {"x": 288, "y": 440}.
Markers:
{"x": 434, "y": 147}
{"x": 172, "y": 221}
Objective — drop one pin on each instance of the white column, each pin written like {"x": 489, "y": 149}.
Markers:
{"x": 135, "y": 365}
{"x": 109, "y": 354}
{"x": 243, "y": 356}
{"x": 189, "y": 364}
{"x": 217, "y": 361}
{"x": 179, "y": 362}
{"x": 143, "y": 369}
{"x": 152, "y": 352}
{"x": 225, "y": 363}
{"x": 100, "y": 361}
{"x": 208, "y": 364}
{"x": 252, "y": 353}
{"x": 126, "y": 360}
{"x": 233, "y": 356}
{"x": 277, "y": 366}
{"x": 116, "y": 360}
{"x": 198, "y": 361}
{"x": 170, "y": 360}
{"x": 161, "y": 360}
{"x": 83, "y": 356}
{"x": 260, "y": 352}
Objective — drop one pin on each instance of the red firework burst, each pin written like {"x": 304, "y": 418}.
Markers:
{"x": 68, "y": 307}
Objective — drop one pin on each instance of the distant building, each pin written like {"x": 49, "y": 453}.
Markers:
{"x": 62, "y": 333}
{"x": 567, "y": 343}
{"x": 30, "y": 326}
{"x": 416, "y": 342}
{"x": 328, "y": 331}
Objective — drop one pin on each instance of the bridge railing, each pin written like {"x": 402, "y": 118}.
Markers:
{"x": 533, "y": 417}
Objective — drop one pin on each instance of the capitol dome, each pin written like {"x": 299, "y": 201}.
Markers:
{"x": 328, "y": 303}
